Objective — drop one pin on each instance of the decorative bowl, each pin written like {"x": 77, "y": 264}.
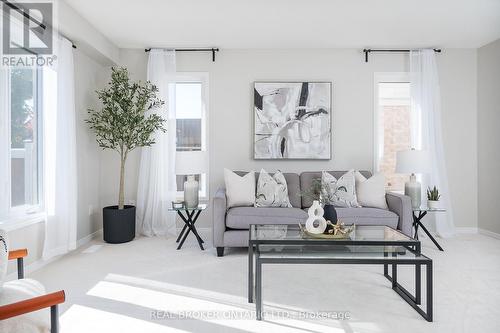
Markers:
{"x": 177, "y": 204}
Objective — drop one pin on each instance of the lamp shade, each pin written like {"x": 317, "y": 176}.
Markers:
{"x": 412, "y": 161}
{"x": 190, "y": 162}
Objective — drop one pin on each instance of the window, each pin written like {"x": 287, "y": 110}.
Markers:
{"x": 21, "y": 143}
{"x": 189, "y": 116}
{"x": 392, "y": 125}
{"x": 191, "y": 121}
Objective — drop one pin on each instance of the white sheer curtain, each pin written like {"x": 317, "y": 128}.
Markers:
{"x": 157, "y": 185}
{"x": 60, "y": 173}
{"x": 4, "y": 143}
{"x": 426, "y": 130}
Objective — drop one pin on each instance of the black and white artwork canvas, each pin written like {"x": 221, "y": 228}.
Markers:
{"x": 292, "y": 120}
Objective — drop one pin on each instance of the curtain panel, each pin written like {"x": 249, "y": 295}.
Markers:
{"x": 157, "y": 186}
{"x": 60, "y": 169}
{"x": 426, "y": 130}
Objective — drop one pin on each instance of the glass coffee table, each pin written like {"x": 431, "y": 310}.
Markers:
{"x": 366, "y": 245}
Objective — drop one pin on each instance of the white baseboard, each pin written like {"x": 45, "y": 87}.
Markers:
{"x": 489, "y": 233}
{"x": 466, "y": 230}
{"x": 474, "y": 230}
{"x": 88, "y": 238}
{"x": 37, "y": 264}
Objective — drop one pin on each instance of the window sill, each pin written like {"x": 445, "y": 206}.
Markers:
{"x": 21, "y": 221}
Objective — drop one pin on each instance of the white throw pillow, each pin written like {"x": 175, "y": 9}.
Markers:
{"x": 240, "y": 190}
{"x": 272, "y": 191}
{"x": 339, "y": 192}
{"x": 371, "y": 191}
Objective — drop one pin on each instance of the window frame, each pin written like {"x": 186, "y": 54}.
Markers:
{"x": 382, "y": 77}
{"x": 203, "y": 78}
{"x": 8, "y": 212}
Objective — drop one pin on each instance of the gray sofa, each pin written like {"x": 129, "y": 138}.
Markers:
{"x": 231, "y": 225}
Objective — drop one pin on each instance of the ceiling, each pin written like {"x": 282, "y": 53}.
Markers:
{"x": 294, "y": 23}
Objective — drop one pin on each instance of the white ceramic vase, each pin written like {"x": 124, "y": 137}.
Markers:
{"x": 413, "y": 189}
{"x": 191, "y": 188}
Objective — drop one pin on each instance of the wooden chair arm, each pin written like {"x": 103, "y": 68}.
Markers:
{"x": 32, "y": 304}
{"x": 19, "y": 253}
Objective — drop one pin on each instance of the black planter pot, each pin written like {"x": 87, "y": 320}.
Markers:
{"x": 118, "y": 224}
{"x": 330, "y": 214}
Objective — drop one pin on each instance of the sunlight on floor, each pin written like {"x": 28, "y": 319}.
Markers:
{"x": 84, "y": 319}
{"x": 241, "y": 303}
{"x": 179, "y": 305}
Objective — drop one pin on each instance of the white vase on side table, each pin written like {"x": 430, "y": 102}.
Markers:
{"x": 191, "y": 163}
{"x": 191, "y": 190}
{"x": 411, "y": 162}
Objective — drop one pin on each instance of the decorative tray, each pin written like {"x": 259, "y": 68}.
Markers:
{"x": 346, "y": 235}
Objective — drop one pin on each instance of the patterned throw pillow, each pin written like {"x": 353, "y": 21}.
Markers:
{"x": 339, "y": 192}
{"x": 272, "y": 191}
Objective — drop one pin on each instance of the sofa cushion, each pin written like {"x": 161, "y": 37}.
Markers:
{"x": 368, "y": 216}
{"x": 242, "y": 217}
{"x": 292, "y": 182}
{"x": 306, "y": 179}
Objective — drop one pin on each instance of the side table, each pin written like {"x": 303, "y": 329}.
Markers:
{"x": 418, "y": 215}
{"x": 189, "y": 217}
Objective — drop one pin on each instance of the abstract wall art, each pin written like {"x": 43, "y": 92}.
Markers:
{"x": 292, "y": 120}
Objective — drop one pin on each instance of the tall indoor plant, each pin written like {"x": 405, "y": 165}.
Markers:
{"x": 123, "y": 124}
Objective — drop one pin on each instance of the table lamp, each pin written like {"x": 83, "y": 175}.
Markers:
{"x": 413, "y": 161}
{"x": 191, "y": 163}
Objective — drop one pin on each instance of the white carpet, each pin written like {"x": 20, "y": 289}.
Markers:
{"x": 117, "y": 288}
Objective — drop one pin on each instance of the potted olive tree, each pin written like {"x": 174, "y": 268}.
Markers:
{"x": 123, "y": 124}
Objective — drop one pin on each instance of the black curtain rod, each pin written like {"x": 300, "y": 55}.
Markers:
{"x": 367, "y": 51}
{"x": 22, "y": 12}
{"x": 213, "y": 50}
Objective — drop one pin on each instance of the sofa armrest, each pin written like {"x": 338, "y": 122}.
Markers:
{"x": 219, "y": 217}
{"x": 401, "y": 205}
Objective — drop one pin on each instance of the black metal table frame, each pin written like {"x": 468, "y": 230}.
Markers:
{"x": 255, "y": 280}
{"x": 417, "y": 222}
{"x": 189, "y": 221}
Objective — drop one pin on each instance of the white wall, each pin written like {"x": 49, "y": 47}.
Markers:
{"x": 488, "y": 92}
{"x": 87, "y": 80}
{"x": 85, "y": 35}
{"x": 231, "y": 93}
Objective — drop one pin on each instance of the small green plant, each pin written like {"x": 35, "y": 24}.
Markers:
{"x": 433, "y": 194}
{"x": 318, "y": 191}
